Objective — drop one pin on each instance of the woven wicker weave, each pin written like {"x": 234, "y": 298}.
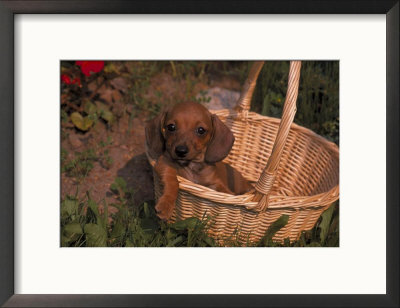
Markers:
{"x": 295, "y": 171}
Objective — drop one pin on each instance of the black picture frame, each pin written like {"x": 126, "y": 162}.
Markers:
{"x": 7, "y": 11}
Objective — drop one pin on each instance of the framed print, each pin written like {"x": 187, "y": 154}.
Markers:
{"x": 80, "y": 225}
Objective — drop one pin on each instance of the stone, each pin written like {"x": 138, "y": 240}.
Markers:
{"x": 220, "y": 98}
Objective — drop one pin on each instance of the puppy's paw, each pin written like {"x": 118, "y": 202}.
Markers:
{"x": 165, "y": 208}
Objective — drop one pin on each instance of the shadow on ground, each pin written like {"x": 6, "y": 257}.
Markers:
{"x": 138, "y": 175}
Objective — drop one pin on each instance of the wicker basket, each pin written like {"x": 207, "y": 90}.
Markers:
{"x": 295, "y": 172}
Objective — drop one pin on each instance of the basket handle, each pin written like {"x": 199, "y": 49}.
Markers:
{"x": 243, "y": 104}
{"x": 267, "y": 177}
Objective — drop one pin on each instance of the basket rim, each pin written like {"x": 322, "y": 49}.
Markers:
{"x": 253, "y": 116}
{"x": 275, "y": 201}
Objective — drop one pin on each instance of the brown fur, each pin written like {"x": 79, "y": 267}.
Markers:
{"x": 201, "y": 162}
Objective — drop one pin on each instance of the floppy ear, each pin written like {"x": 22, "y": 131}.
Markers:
{"x": 154, "y": 136}
{"x": 220, "y": 143}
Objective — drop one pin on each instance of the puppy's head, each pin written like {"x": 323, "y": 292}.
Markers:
{"x": 189, "y": 132}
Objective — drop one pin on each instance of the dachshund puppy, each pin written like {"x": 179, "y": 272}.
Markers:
{"x": 187, "y": 140}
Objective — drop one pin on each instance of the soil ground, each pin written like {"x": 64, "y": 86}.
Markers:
{"x": 127, "y": 140}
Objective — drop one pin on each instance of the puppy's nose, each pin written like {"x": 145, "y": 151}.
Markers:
{"x": 181, "y": 150}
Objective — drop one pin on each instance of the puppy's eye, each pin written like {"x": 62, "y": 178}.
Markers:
{"x": 171, "y": 127}
{"x": 201, "y": 131}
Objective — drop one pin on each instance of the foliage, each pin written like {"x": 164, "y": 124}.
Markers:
{"x": 318, "y": 99}
{"x": 325, "y": 233}
{"x": 202, "y": 98}
{"x": 92, "y": 93}
{"x": 266, "y": 240}
{"x": 82, "y": 163}
{"x": 187, "y": 73}
{"x": 80, "y": 102}
{"x": 85, "y": 223}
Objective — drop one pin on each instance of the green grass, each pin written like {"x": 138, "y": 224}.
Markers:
{"x": 83, "y": 162}
{"x": 80, "y": 165}
{"x": 85, "y": 223}
{"x": 142, "y": 73}
{"x": 318, "y": 99}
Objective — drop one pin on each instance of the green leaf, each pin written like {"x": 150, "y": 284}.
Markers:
{"x": 149, "y": 225}
{"x": 119, "y": 186}
{"x": 120, "y": 182}
{"x": 114, "y": 187}
{"x": 94, "y": 207}
{"x": 73, "y": 228}
{"x": 69, "y": 207}
{"x": 104, "y": 112}
{"x": 175, "y": 242}
{"x": 72, "y": 231}
{"x": 64, "y": 241}
{"x": 277, "y": 225}
{"x": 334, "y": 227}
{"x": 273, "y": 229}
{"x": 333, "y": 241}
{"x": 118, "y": 231}
{"x": 129, "y": 243}
{"x": 110, "y": 67}
{"x": 83, "y": 123}
{"x": 105, "y": 220}
{"x": 87, "y": 123}
{"x": 325, "y": 222}
{"x": 96, "y": 236}
{"x": 107, "y": 115}
{"x": 76, "y": 118}
{"x": 286, "y": 242}
{"x": 209, "y": 241}
{"x": 89, "y": 107}
{"x": 146, "y": 210}
{"x": 187, "y": 224}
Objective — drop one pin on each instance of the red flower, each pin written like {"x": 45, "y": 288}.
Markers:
{"x": 65, "y": 79}
{"x": 76, "y": 81}
{"x": 90, "y": 66}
